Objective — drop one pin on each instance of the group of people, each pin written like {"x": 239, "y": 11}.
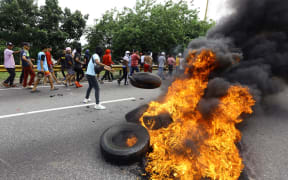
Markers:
{"x": 171, "y": 63}
{"x": 72, "y": 63}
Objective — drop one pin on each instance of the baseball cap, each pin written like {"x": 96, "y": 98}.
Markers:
{"x": 68, "y": 49}
{"x": 9, "y": 44}
{"x": 127, "y": 52}
{"x": 26, "y": 44}
{"x": 163, "y": 53}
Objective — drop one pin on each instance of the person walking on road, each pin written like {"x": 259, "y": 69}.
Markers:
{"x": 93, "y": 64}
{"x": 171, "y": 62}
{"x": 9, "y": 64}
{"x": 142, "y": 57}
{"x": 125, "y": 68}
{"x": 69, "y": 67}
{"x": 50, "y": 65}
{"x": 78, "y": 67}
{"x": 148, "y": 63}
{"x": 178, "y": 62}
{"x": 161, "y": 64}
{"x": 62, "y": 62}
{"x": 134, "y": 62}
{"x": 27, "y": 66}
{"x": 43, "y": 70}
{"x": 107, "y": 60}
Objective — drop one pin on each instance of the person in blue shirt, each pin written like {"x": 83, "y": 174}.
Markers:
{"x": 93, "y": 64}
{"x": 42, "y": 68}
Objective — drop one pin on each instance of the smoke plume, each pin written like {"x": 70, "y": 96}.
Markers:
{"x": 256, "y": 33}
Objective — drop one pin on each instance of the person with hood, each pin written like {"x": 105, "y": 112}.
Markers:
{"x": 125, "y": 68}
{"x": 93, "y": 64}
{"x": 78, "y": 67}
{"x": 107, "y": 60}
{"x": 86, "y": 58}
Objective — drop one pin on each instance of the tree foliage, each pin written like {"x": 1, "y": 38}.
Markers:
{"x": 23, "y": 21}
{"x": 149, "y": 26}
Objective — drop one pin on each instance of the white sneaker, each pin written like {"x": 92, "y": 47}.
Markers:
{"x": 29, "y": 87}
{"x": 86, "y": 100}
{"x": 99, "y": 107}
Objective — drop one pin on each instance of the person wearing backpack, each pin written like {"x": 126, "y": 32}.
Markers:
{"x": 95, "y": 67}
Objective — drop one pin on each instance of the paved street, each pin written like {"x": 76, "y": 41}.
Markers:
{"x": 52, "y": 136}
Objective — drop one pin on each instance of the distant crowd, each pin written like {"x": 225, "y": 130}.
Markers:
{"x": 72, "y": 65}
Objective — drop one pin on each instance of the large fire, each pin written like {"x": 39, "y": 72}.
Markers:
{"x": 193, "y": 147}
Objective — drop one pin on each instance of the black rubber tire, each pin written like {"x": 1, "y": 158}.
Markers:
{"x": 134, "y": 115}
{"x": 145, "y": 80}
{"x": 121, "y": 155}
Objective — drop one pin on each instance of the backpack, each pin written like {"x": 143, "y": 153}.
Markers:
{"x": 97, "y": 68}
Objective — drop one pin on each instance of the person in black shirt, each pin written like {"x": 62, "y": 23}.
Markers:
{"x": 78, "y": 67}
{"x": 86, "y": 58}
{"x": 62, "y": 62}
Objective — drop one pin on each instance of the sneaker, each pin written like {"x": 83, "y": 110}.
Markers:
{"x": 5, "y": 84}
{"x": 29, "y": 87}
{"x": 86, "y": 100}
{"x": 119, "y": 82}
{"x": 13, "y": 85}
{"x": 99, "y": 107}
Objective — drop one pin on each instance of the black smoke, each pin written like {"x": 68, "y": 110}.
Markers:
{"x": 256, "y": 33}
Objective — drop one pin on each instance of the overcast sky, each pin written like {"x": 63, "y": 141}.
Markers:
{"x": 95, "y": 8}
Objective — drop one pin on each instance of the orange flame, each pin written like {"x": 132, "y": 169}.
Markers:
{"x": 131, "y": 141}
{"x": 193, "y": 147}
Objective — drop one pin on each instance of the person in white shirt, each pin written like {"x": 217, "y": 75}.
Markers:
{"x": 9, "y": 64}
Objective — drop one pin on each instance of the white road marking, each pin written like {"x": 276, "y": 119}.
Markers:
{"x": 63, "y": 108}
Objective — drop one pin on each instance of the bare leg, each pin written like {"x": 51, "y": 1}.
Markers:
{"x": 45, "y": 81}
{"x": 35, "y": 84}
{"x": 51, "y": 82}
{"x": 55, "y": 78}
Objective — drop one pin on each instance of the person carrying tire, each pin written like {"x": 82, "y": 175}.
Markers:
{"x": 93, "y": 64}
{"x": 125, "y": 69}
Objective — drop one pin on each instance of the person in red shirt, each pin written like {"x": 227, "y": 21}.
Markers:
{"x": 50, "y": 65}
{"x": 107, "y": 60}
{"x": 134, "y": 62}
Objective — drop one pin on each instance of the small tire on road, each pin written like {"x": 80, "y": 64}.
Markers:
{"x": 145, "y": 80}
{"x": 114, "y": 148}
{"x": 134, "y": 115}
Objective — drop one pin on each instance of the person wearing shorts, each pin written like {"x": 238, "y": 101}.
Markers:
{"x": 43, "y": 70}
{"x": 69, "y": 67}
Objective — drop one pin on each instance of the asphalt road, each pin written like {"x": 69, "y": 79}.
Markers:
{"x": 63, "y": 144}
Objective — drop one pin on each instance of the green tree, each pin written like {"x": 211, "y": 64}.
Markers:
{"x": 74, "y": 24}
{"x": 149, "y": 26}
{"x": 23, "y": 21}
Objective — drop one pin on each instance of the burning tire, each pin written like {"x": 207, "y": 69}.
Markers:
{"x": 145, "y": 80}
{"x": 124, "y": 143}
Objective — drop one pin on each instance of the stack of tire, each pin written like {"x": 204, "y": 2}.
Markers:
{"x": 112, "y": 142}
